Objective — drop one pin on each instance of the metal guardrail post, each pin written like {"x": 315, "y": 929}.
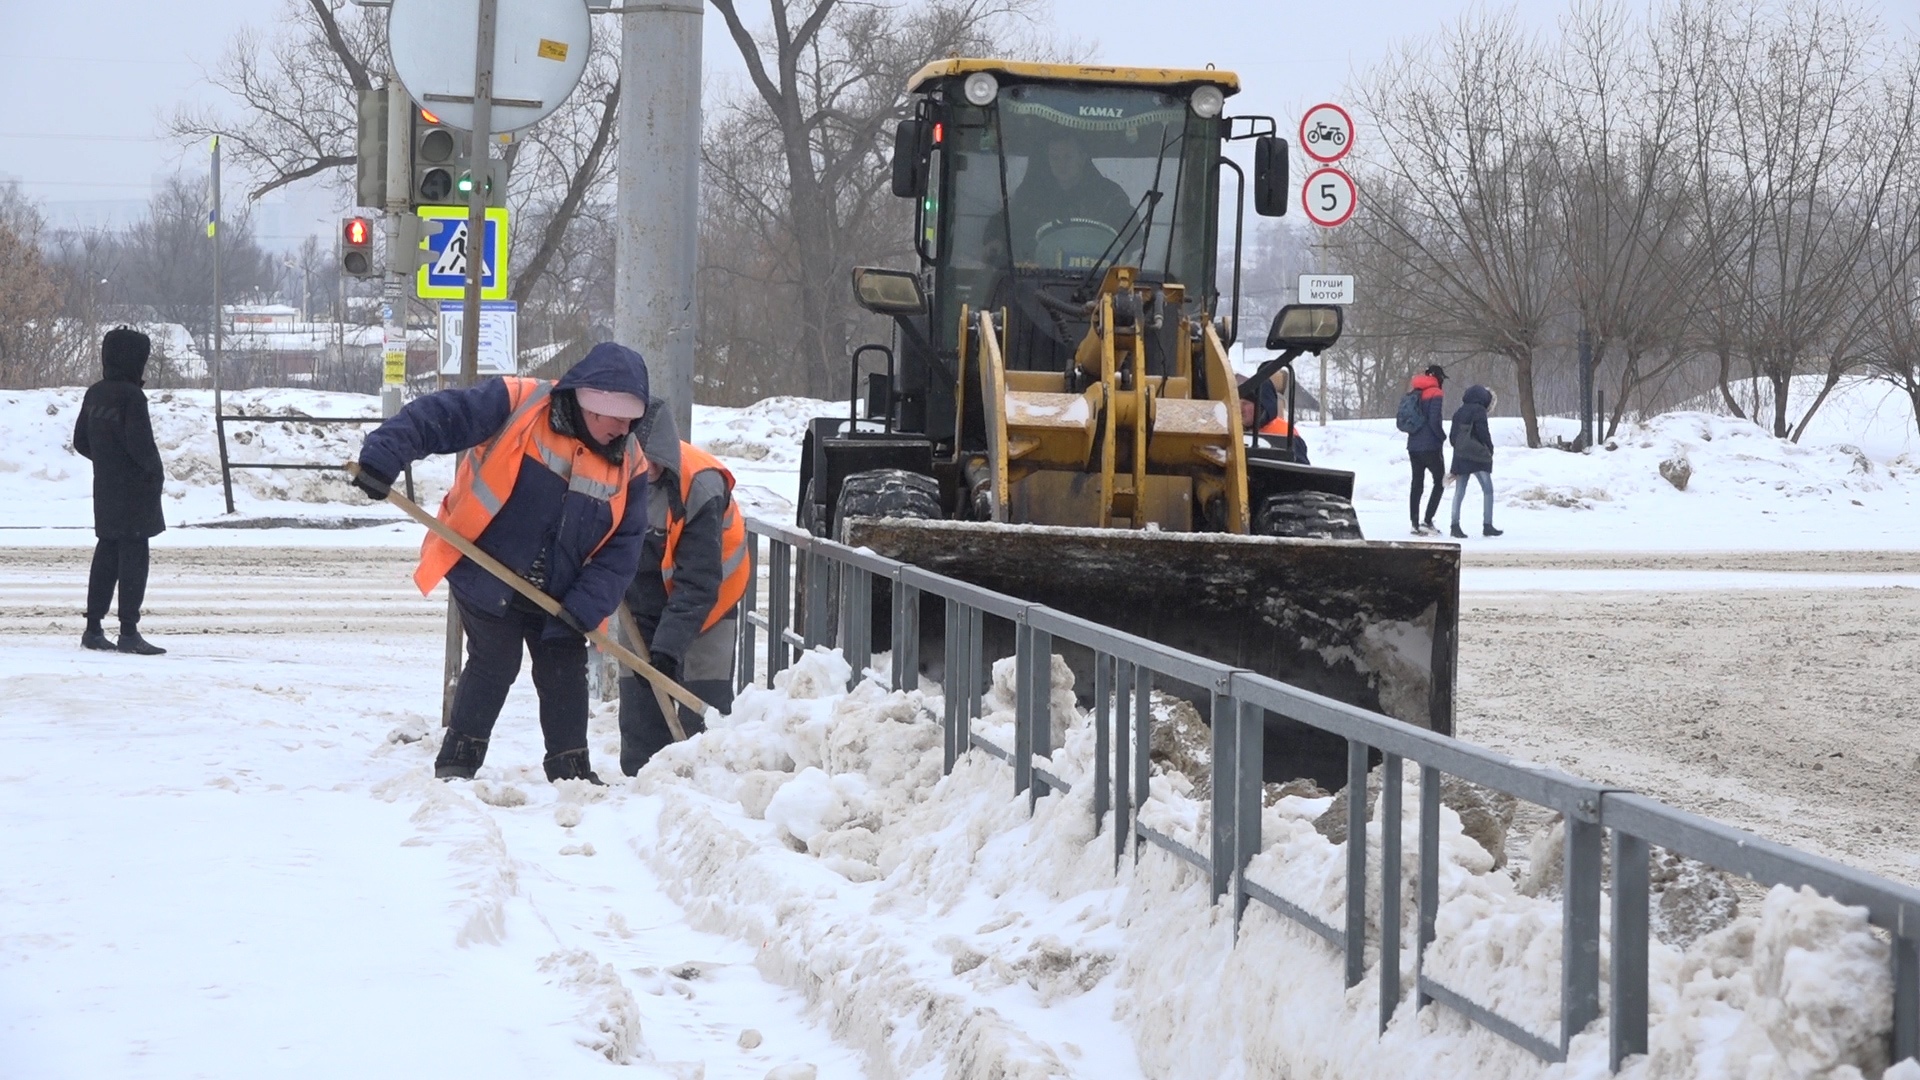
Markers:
{"x": 1356, "y": 862}
{"x": 1429, "y": 870}
{"x": 815, "y": 599}
{"x": 906, "y": 635}
{"x": 953, "y": 662}
{"x": 1580, "y": 928}
{"x": 744, "y": 647}
{"x": 1123, "y": 789}
{"x": 1250, "y": 744}
{"x": 779, "y": 605}
{"x": 979, "y": 671}
{"x": 1102, "y": 714}
{"x": 1224, "y": 737}
{"x": 856, "y": 633}
{"x": 1389, "y": 888}
{"x": 1040, "y": 712}
{"x": 1627, "y": 971}
{"x": 1142, "y": 747}
{"x": 1906, "y": 986}
{"x": 1023, "y": 780}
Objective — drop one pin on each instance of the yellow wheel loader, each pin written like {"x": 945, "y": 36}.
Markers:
{"x": 1057, "y": 418}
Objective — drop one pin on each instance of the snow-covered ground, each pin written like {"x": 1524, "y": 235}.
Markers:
{"x": 1852, "y": 484}
{"x": 233, "y": 859}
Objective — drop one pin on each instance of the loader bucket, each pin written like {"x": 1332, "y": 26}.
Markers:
{"x": 1371, "y": 624}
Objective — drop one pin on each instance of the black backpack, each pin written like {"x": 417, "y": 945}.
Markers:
{"x": 1411, "y": 416}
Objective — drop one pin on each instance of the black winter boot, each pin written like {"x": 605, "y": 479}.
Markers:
{"x": 1488, "y": 530}
{"x": 96, "y": 637}
{"x": 572, "y": 765}
{"x": 132, "y": 642}
{"x": 460, "y": 757}
{"x": 1456, "y": 533}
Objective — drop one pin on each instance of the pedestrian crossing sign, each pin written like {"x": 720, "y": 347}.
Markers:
{"x": 444, "y": 250}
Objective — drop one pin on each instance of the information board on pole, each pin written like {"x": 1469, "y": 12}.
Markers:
{"x": 1326, "y": 288}
{"x": 499, "y": 336}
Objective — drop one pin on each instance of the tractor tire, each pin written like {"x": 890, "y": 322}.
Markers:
{"x": 1307, "y": 515}
{"x": 886, "y": 493}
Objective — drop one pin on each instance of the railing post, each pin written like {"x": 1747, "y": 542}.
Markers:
{"x": 1142, "y": 747}
{"x": 1627, "y": 972}
{"x": 749, "y": 603}
{"x": 1429, "y": 872}
{"x": 815, "y": 602}
{"x": 779, "y": 605}
{"x": 1123, "y": 790}
{"x": 906, "y": 635}
{"x": 1102, "y": 713}
{"x": 1249, "y": 797}
{"x": 856, "y": 629}
{"x": 979, "y": 669}
{"x": 1356, "y": 862}
{"x": 954, "y": 664}
{"x": 1906, "y": 986}
{"x": 1389, "y": 888}
{"x": 1040, "y": 712}
{"x": 1023, "y": 708}
{"x": 1224, "y": 735}
{"x": 1580, "y": 928}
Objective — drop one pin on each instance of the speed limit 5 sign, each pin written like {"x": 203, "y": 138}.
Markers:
{"x": 1329, "y": 197}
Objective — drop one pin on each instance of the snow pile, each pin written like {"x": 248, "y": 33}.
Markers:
{"x": 939, "y": 927}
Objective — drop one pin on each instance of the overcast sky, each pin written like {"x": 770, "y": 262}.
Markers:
{"x": 85, "y": 87}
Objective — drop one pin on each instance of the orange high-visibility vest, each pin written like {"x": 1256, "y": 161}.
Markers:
{"x": 733, "y": 535}
{"x": 1276, "y": 426}
{"x": 488, "y": 472}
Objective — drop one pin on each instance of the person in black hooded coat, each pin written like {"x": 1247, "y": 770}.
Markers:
{"x": 1473, "y": 456}
{"x": 115, "y": 433}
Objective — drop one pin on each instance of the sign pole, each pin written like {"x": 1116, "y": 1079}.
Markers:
{"x": 481, "y": 154}
{"x": 220, "y": 425}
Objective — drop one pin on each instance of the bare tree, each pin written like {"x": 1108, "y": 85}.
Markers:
{"x": 37, "y": 348}
{"x": 1464, "y": 147}
{"x": 801, "y": 163}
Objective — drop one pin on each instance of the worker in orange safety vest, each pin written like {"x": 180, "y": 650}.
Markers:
{"x": 686, "y": 595}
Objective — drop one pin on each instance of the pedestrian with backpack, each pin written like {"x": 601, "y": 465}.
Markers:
{"x": 1473, "y": 456}
{"x": 1419, "y": 416}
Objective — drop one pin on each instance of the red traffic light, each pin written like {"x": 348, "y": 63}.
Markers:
{"x": 359, "y": 231}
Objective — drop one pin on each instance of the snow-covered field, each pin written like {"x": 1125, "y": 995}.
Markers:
{"x": 233, "y": 860}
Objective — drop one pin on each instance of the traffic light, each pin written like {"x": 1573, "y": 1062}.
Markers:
{"x": 356, "y": 247}
{"x": 436, "y": 161}
{"x": 370, "y": 149}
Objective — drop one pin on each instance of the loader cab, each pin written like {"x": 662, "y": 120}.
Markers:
{"x": 1030, "y": 181}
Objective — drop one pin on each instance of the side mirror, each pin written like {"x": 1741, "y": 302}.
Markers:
{"x": 1269, "y": 176}
{"x": 888, "y": 292}
{"x": 911, "y": 141}
{"x": 1306, "y": 328}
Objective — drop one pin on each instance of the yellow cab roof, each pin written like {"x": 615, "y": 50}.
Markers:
{"x": 1227, "y": 81}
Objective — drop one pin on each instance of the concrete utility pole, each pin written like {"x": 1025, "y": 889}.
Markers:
{"x": 656, "y": 238}
{"x": 481, "y": 155}
{"x": 393, "y": 286}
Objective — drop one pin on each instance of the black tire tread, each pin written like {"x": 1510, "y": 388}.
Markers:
{"x": 1307, "y": 515}
{"x": 887, "y": 493}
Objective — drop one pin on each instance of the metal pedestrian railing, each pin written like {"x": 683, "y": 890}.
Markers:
{"x": 795, "y": 616}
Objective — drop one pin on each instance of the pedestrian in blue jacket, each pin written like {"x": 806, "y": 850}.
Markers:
{"x": 1473, "y": 456}
{"x": 1423, "y": 447}
{"x": 555, "y": 487}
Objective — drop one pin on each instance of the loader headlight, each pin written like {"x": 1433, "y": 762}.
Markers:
{"x": 1207, "y": 102}
{"x": 981, "y": 88}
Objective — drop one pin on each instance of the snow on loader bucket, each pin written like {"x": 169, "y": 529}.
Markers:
{"x": 1371, "y": 624}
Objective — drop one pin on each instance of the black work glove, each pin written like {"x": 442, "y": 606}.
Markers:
{"x": 371, "y": 481}
{"x": 665, "y": 665}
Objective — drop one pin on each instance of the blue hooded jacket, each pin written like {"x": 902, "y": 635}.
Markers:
{"x": 542, "y": 522}
{"x": 1472, "y": 439}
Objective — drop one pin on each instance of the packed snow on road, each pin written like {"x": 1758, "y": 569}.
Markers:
{"x": 234, "y": 859}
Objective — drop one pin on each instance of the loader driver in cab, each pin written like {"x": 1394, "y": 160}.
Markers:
{"x": 1066, "y": 211}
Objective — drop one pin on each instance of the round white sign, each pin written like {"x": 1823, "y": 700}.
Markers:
{"x": 1329, "y": 197}
{"x": 1326, "y": 133}
{"x": 540, "y": 50}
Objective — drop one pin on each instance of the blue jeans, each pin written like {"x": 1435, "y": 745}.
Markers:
{"x": 1486, "y": 497}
